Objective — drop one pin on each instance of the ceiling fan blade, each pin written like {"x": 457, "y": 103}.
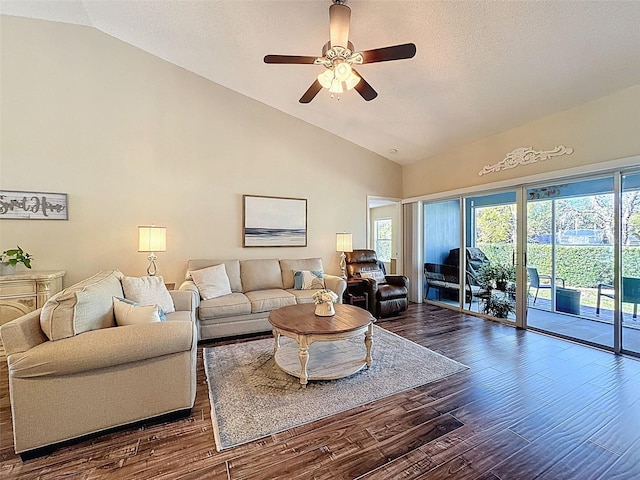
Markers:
{"x": 311, "y": 92}
{"x": 397, "y": 52}
{"x": 365, "y": 90}
{"x": 339, "y": 18}
{"x": 289, "y": 59}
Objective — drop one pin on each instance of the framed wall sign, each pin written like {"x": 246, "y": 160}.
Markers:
{"x": 274, "y": 221}
{"x": 33, "y": 205}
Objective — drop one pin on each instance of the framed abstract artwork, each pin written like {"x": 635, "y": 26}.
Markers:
{"x": 274, "y": 221}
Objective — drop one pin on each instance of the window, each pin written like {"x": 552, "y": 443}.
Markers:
{"x": 383, "y": 229}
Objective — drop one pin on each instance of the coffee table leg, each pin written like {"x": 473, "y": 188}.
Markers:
{"x": 368, "y": 341}
{"x": 276, "y": 337}
{"x": 304, "y": 359}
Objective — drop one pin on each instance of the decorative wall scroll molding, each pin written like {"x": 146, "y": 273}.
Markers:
{"x": 525, "y": 156}
{"x": 33, "y": 205}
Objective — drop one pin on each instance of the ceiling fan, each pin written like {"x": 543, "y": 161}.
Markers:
{"x": 339, "y": 57}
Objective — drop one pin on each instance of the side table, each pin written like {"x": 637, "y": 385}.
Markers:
{"x": 356, "y": 294}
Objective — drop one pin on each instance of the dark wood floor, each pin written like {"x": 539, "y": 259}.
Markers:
{"x": 530, "y": 406}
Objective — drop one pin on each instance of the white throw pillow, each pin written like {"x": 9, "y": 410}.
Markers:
{"x": 148, "y": 291}
{"x": 376, "y": 275}
{"x": 212, "y": 282}
{"x": 130, "y": 314}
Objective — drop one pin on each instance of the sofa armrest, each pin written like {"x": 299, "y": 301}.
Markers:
{"x": 23, "y": 333}
{"x": 399, "y": 280}
{"x": 103, "y": 348}
{"x": 336, "y": 284}
{"x": 190, "y": 286}
{"x": 184, "y": 300}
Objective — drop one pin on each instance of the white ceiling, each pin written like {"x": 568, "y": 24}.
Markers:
{"x": 482, "y": 67}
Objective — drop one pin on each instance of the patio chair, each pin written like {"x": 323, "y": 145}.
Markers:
{"x": 534, "y": 281}
{"x": 630, "y": 293}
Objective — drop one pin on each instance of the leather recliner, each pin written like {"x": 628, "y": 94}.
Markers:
{"x": 388, "y": 297}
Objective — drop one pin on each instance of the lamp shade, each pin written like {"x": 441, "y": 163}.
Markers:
{"x": 344, "y": 242}
{"x": 152, "y": 239}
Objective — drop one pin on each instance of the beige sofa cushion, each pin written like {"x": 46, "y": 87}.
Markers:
{"x": 82, "y": 307}
{"x": 232, "y": 267}
{"x": 267, "y": 300}
{"x": 288, "y": 266}
{"x": 227, "y": 306}
{"x": 263, "y": 274}
{"x": 303, "y": 296}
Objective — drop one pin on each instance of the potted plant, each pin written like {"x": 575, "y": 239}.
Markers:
{"x": 499, "y": 306}
{"x": 496, "y": 275}
{"x": 12, "y": 257}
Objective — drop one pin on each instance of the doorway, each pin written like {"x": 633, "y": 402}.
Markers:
{"x": 384, "y": 231}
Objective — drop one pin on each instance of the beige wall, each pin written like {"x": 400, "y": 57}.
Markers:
{"x": 135, "y": 140}
{"x": 599, "y": 131}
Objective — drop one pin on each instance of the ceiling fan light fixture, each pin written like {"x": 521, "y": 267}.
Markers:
{"x": 336, "y": 86}
{"x": 325, "y": 78}
{"x": 352, "y": 81}
{"x": 342, "y": 71}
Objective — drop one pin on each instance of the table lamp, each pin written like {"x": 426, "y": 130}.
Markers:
{"x": 344, "y": 243}
{"x": 152, "y": 239}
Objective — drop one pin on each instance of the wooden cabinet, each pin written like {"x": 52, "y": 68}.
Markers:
{"x": 24, "y": 292}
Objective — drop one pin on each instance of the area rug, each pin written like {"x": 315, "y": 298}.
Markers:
{"x": 252, "y": 398}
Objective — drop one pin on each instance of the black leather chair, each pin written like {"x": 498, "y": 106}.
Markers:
{"x": 387, "y": 297}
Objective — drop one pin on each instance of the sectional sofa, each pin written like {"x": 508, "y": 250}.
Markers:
{"x": 256, "y": 287}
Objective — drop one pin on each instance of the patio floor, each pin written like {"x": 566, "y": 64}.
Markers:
{"x": 587, "y": 326}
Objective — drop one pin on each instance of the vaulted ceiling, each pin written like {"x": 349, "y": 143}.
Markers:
{"x": 482, "y": 67}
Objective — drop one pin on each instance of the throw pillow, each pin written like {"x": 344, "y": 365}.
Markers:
{"x": 82, "y": 307}
{"x": 377, "y": 275}
{"x": 131, "y": 314}
{"x": 148, "y": 291}
{"x": 161, "y": 314}
{"x": 308, "y": 279}
{"x": 212, "y": 282}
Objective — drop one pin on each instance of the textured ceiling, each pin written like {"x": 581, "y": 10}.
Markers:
{"x": 481, "y": 67}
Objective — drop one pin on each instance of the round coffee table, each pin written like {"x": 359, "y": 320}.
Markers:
{"x": 329, "y": 359}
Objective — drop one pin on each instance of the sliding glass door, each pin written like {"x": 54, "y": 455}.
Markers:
{"x": 630, "y": 262}
{"x": 490, "y": 241}
{"x": 570, "y": 259}
{"x": 563, "y": 258}
{"x": 441, "y": 242}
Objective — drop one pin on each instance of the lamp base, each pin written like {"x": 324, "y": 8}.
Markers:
{"x": 152, "y": 269}
{"x": 343, "y": 265}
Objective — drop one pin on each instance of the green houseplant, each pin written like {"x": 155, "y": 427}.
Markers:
{"x": 14, "y": 256}
{"x": 499, "y": 306}
{"x": 496, "y": 275}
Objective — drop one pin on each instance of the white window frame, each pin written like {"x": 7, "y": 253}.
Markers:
{"x": 377, "y": 239}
